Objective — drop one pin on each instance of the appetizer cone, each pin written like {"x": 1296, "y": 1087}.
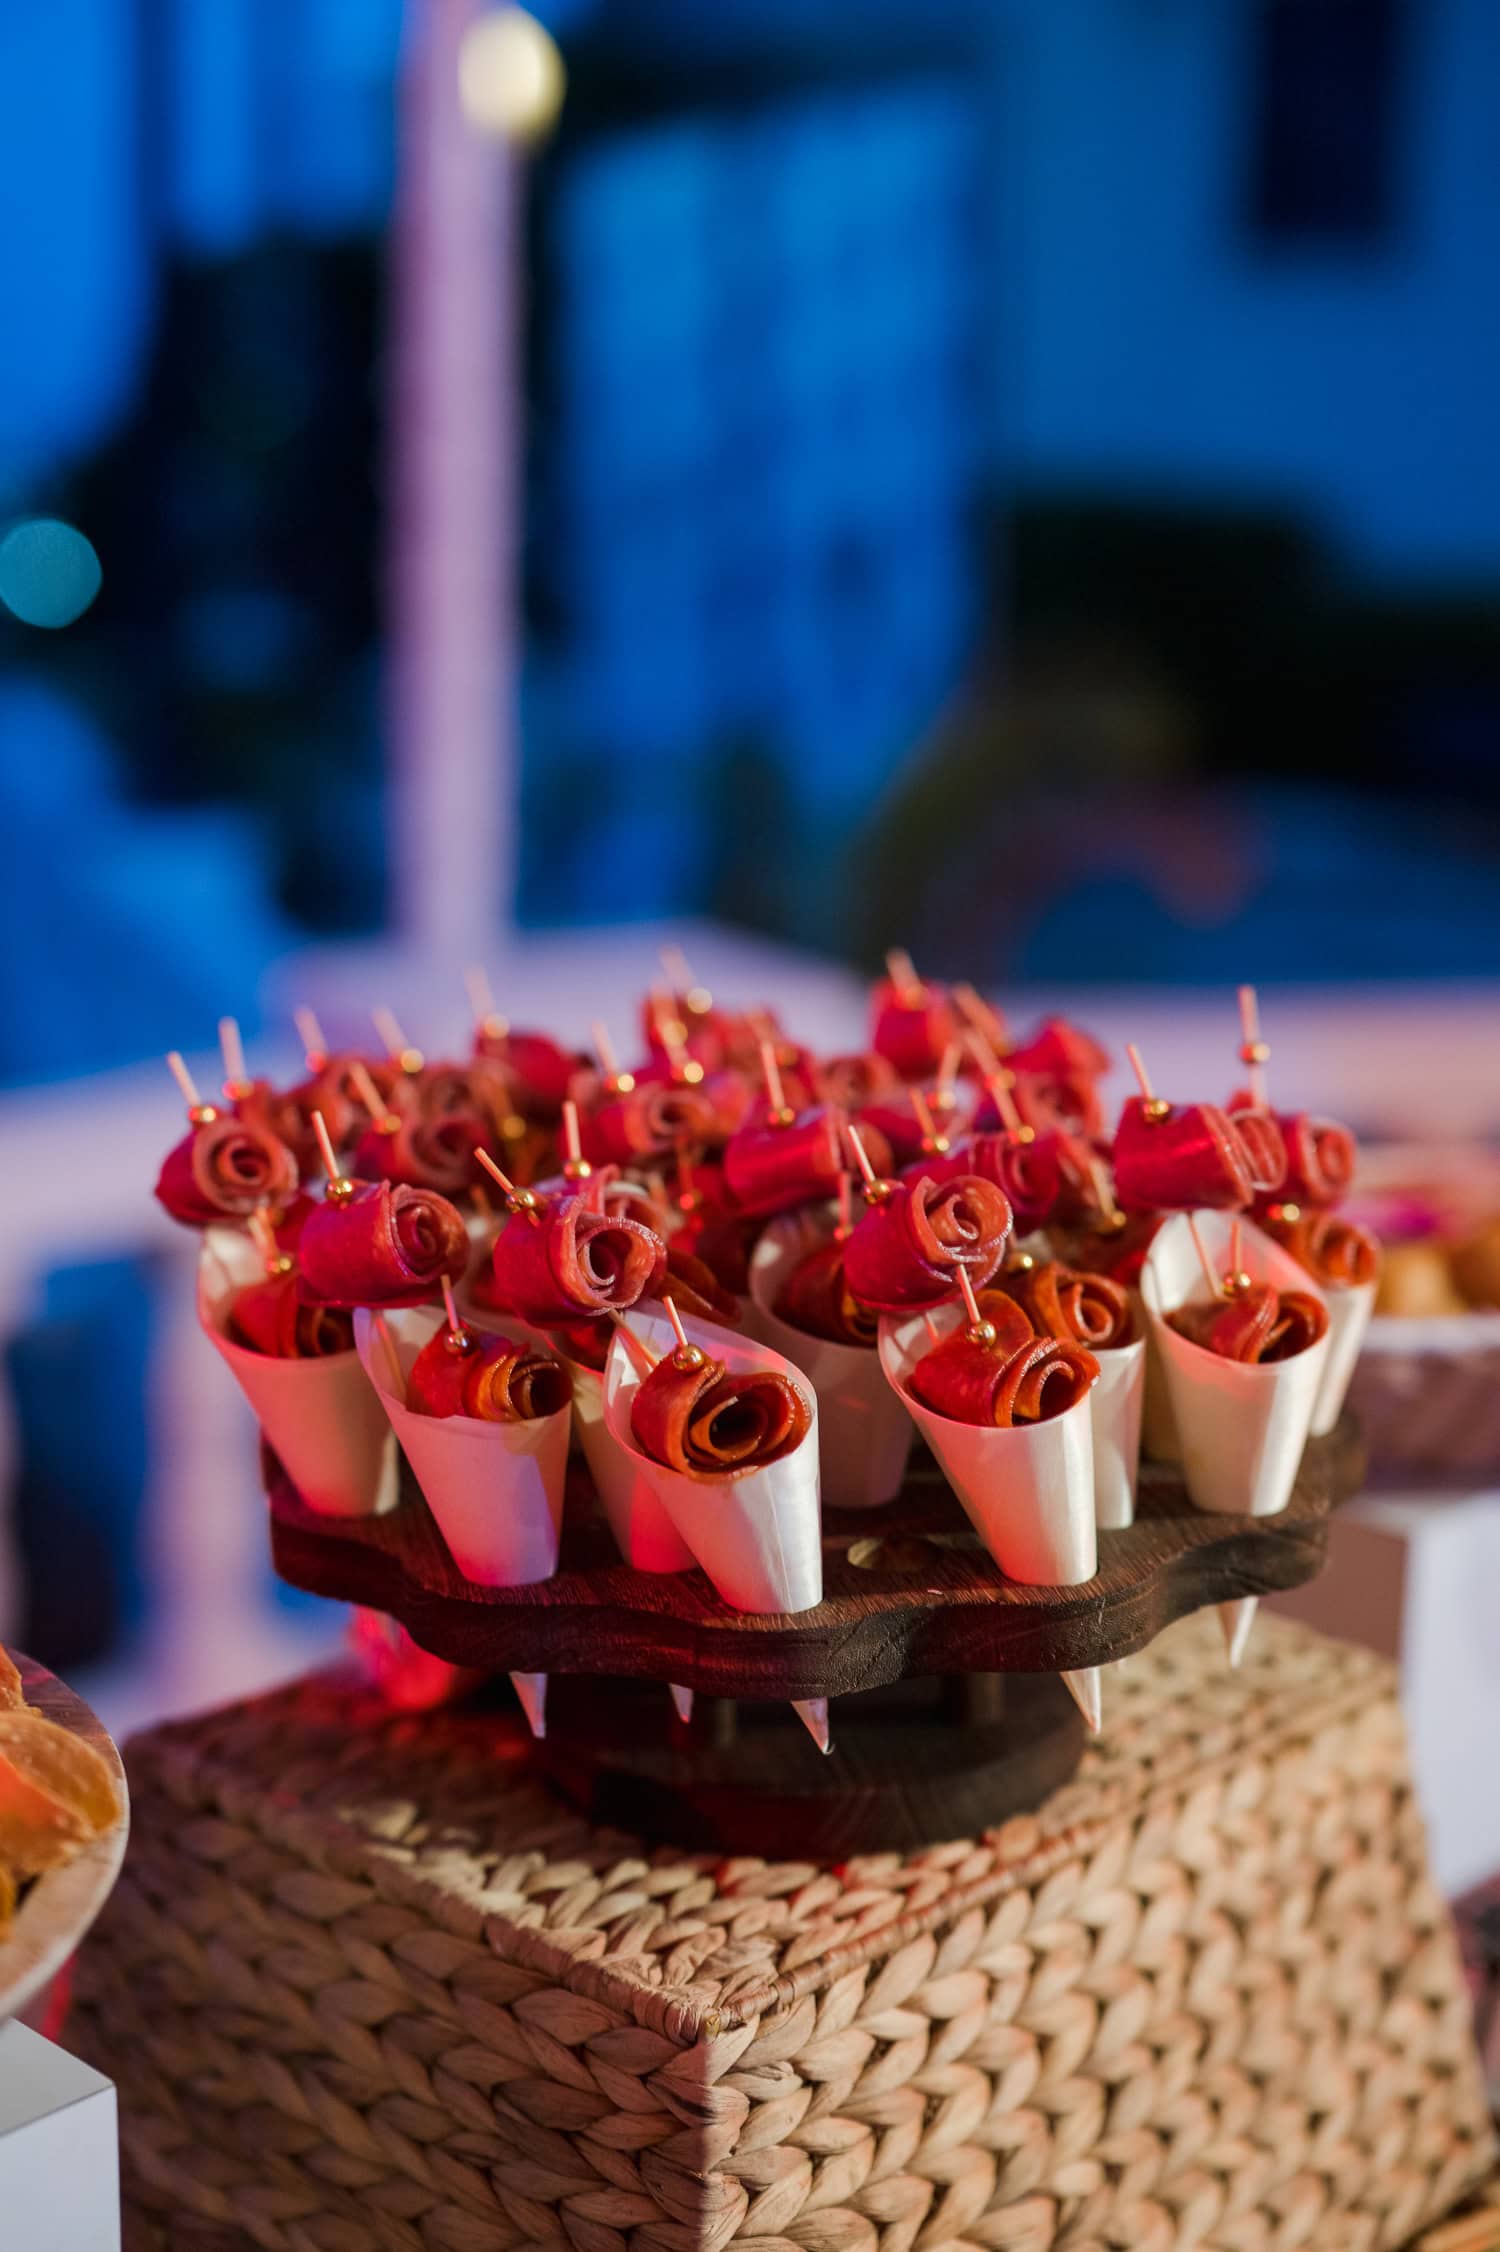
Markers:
{"x": 321, "y": 1418}
{"x": 1241, "y": 1427}
{"x": 756, "y": 1533}
{"x": 644, "y": 1532}
{"x": 1115, "y": 1406}
{"x": 864, "y": 1432}
{"x": 1350, "y": 1306}
{"x": 495, "y": 1489}
{"x": 1028, "y": 1491}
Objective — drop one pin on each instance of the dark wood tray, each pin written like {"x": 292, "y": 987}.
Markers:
{"x": 908, "y": 1590}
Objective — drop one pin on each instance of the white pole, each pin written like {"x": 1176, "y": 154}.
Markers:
{"x": 454, "y": 506}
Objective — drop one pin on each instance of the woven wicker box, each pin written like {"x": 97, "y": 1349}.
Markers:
{"x": 365, "y": 1985}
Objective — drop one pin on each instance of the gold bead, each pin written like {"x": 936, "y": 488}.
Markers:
{"x": 282, "y": 1264}
{"x": 339, "y": 1189}
{"x": 1238, "y": 1284}
{"x": 1255, "y": 1051}
{"x": 935, "y": 1145}
{"x": 877, "y": 1192}
{"x": 1114, "y": 1220}
{"x": 495, "y": 1028}
{"x": 202, "y": 1114}
{"x": 689, "y": 1356}
{"x": 1155, "y": 1109}
{"x": 981, "y": 1333}
{"x": 390, "y": 1124}
{"x": 1286, "y": 1212}
{"x": 623, "y": 1083}
{"x": 1024, "y": 1134}
{"x": 1021, "y": 1263}
{"x": 699, "y": 1001}
{"x": 411, "y": 1061}
{"x": 513, "y": 1128}
{"x": 237, "y": 1090}
{"x": 577, "y": 1169}
{"x": 459, "y": 1341}
{"x": 692, "y": 1072}
{"x": 786, "y": 1116}
{"x": 521, "y": 1200}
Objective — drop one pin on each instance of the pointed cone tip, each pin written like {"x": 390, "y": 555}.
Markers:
{"x": 1236, "y": 1620}
{"x": 1083, "y": 1686}
{"x": 682, "y": 1702}
{"x": 813, "y": 1714}
{"x": 531, "y": 1688}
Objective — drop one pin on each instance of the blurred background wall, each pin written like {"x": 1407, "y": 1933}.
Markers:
{"x": 1014, "y": 475}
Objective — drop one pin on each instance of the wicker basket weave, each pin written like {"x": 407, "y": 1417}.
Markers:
{"x": 1427, "y": 1394}
{"x": 364, "y": 1985}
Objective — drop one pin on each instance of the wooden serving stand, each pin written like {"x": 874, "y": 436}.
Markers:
{"x": 950, "y": 1716}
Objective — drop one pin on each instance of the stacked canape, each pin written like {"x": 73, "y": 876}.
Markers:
{"x": 740, "y": 1281}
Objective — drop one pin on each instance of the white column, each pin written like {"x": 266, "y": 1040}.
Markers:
{"x": 454, "y": 506}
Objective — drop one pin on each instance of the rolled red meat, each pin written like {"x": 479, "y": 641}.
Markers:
{"x": 1118, "y": 1252}
{"x": 424, "y": 1153}
{"x": 567, "y": 1260}
{"x": 853, "y": 1082}
{"x": 272, "y": 1317}
{"x": 488, "y": 1379}
{"x": 907, "y": 1250}
{"x": 816, "y": 1297}
{"x": 693, "y": 1416}
{"x": 1064, "y": 1302}
{"x": 386, "y": 1245}
{"x": 1333, "y": 1251}
{"x": 913, "y": 1027}
{"x": 540, "y": 1070}
{"x": 971, "y": 1382}
{"x": 1060, "y": 1050}
{"x": 773, "y": 1168}
{"x": 226, "y": 1169}
{"x": 1195, "y": 1157}
{"x": 650, "y": 1121}
{"x": 1254, "y": 1326}
{"x": 1318, "y": 1157}
{"x": 1026, "y": 1173}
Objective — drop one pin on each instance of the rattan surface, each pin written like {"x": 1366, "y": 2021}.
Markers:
{"x": 364, "y": 1985}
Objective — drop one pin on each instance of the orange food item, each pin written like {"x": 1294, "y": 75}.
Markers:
{"x": 1257, "y": 1325}
{"x": 55, "y": 1793}
{"x": 11, "y": 1692}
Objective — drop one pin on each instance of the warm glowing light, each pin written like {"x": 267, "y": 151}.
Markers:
{"x": 49, "y": 573}
{"x": 510, "y": 75}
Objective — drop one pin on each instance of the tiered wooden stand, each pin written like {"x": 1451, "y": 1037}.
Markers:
{"x": 949, "y": 1713}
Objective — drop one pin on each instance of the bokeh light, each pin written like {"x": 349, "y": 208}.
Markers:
{"x": 49, "y": 573}
{"x": 510, "y": 76}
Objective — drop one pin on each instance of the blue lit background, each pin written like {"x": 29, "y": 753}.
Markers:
{"x": 1014, "y": 475}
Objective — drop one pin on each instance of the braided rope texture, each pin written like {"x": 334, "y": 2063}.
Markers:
{"x": 366, "y": 1987}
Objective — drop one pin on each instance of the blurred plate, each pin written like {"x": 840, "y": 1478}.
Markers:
{"x": 58, "y": 1907}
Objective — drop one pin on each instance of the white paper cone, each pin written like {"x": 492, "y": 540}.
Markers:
{"x": 813, "y": 1714}
{"x": 531, "y": 1688}
{"x": 1029, "y": 1492}
{"x": 1236, "y": 1619}
{"x": 1115, "y": 1412}
{"x": 864, "y": 1432}
{"x": 757, "y": 1536}
{"x": 1159, "y": 1440}
{"x": 644, "y": 1534}
{"x": 682, "y": 1703}
{"x": 1085, "y": 1688}
{"x": 1242, "y": 1428}
{"x": 327, "y": 1427}
{"x": 1349, "y": 1311}
{"x": 495, "y": 1489}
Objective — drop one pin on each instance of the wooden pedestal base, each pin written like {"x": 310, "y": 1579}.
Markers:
{"x": 913, "y": 1764}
